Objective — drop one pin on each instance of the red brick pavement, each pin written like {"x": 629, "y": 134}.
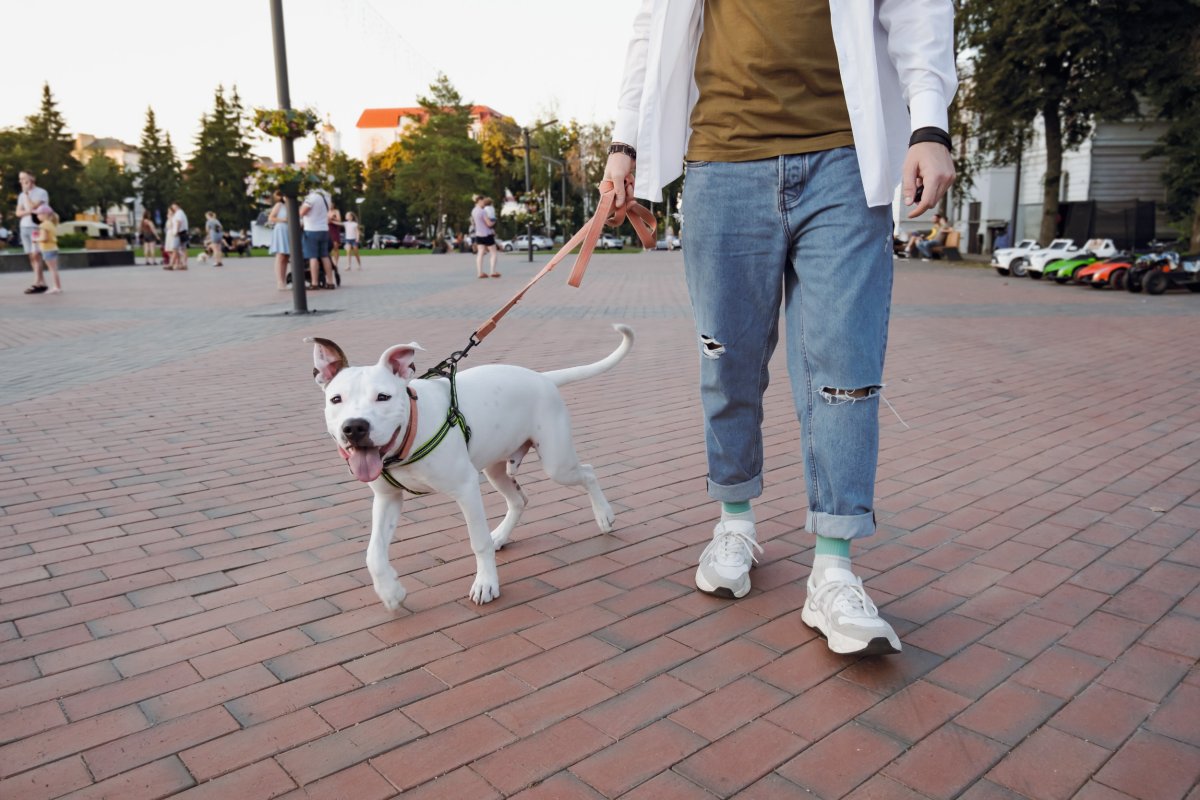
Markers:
{"x": 184, "y": 607}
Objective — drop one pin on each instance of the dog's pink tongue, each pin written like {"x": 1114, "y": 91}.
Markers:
{"x": 365, "y": 463}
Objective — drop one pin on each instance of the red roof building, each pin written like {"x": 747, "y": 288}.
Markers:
{"x": 379, "y": 127}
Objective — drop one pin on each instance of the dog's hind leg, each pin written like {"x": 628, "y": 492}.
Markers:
{"x": 561, "y": 462}
{"x": 385, "y": 516}
{"x": 500, "y": 476}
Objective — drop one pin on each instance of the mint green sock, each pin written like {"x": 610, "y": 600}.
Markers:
{"x": 735, "y": 508}
{"x": 833, "y": 547}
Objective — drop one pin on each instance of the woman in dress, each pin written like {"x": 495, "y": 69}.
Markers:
{"x": 278, "y": 220}
{"x": 171, "y": 242}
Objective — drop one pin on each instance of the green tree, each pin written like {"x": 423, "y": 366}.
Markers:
{"x": 441, "y": 165}
{"x": 216, "y": 176}
{"x": 159, "y": 171}
{"x": 104, "y": 183}
{"x": 1176, "y": 93}
{"x": 345, "y": 175}
{"x": 382, "y": 212}
{"x": 45, "y": 148}
{"x": 1069, "y": 62}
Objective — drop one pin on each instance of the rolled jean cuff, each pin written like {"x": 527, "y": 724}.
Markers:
{"x": 738, "y": 492}
{"x": 832, "y": 526}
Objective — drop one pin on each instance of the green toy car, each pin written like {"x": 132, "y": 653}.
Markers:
{"x": 1063, "y": 269}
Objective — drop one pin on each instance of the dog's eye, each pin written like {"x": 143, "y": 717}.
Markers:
{"x": 337, "y": 398}
{"x": 381, "y": 397}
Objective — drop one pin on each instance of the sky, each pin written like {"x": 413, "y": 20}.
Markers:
{"x": 107, "y": 61}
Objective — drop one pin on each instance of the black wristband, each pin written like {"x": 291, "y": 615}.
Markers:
{"x": 620, "y": 147}
{"x": 931, "y": 134}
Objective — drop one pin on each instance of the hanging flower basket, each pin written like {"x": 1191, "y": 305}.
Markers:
{"x": 294, "y": 123}
{"x": 291, "y": 180}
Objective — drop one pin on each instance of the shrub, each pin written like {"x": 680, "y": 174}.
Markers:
{"x": 71, "y": 241}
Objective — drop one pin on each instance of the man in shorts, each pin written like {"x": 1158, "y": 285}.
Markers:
{"x": 30, "y": 199}
{"x": 314, "y": 215}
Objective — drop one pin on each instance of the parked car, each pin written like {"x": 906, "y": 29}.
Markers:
{"x": 539, "y": 242}
{"x": 1106, "y": 272}
{"x": 1161, "y": 271}
{"x": 669, "y": 243}
{"x": 413, "y": 241}
{"x": 505, "y": 245}
{"x": 386, "y": 241}
{"x": 1063, "y": 268}
{"x": 1003, "y": 258}
{"x": 610, "y": 241}
{"x": 1038, "y": 259}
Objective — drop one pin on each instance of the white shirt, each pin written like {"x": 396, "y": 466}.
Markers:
{"x": 317, "y": 218}
{"x": 351, "y": 230}
{"x": 181, "y": 221}
{"x": 891, "y": 53}
{"x": 32, "y": 200}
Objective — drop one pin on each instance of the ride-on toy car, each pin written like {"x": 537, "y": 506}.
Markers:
{"x": 1161, "y": 271}
{"x": 1109, "y": 272}
{"x": 1039, "y": 261}
{"x": 1063, "y": 269}
{"x": 1020, "y": 266}
{"x": 1003, "y": 258}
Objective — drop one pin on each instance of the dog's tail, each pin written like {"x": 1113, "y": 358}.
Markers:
{"x": 572, "y": 374}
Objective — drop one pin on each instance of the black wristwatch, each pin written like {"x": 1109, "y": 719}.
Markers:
{"x": 621, "y": 147}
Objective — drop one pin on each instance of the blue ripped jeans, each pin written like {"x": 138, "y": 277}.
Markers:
{"x": 794, "y": 231}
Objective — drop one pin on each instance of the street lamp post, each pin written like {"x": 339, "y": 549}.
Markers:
{"x": 299, "y": 299}
{"x": 525, "y": 143}
{"x": 562, "y": 166}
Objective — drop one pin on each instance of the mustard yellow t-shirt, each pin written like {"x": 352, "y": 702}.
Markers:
{"x": 48, "y": 236}
{"x": 769, "y": 82}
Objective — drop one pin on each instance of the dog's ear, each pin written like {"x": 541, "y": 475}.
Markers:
{"x": 328, "y": 359}
{"x": 399, "y": 359}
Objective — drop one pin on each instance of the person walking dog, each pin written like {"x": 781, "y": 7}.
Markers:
{"x": 796, "y": 119}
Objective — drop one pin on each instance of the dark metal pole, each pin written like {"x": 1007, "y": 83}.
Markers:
{"x": 529, "y": 221}
{"x": 1016, "y": 203}
{"x": 299, "y": 299}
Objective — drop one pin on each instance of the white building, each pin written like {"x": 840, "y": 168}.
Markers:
{"x": 1102, "y": 180}
{"x": 378, "y": 128}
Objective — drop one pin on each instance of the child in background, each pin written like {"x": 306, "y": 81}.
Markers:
{"x": 351, "y": 229}
{"x": 45, "y": 238}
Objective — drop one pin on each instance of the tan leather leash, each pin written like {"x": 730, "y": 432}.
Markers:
{"x": 638, "y": 215}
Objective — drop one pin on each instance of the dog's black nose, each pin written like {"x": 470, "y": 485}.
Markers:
{"x": 357, "y": 431}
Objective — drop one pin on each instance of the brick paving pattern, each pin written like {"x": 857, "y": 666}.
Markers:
{"x": 184, "y": 608}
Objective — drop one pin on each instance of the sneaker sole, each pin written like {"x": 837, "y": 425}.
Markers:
{"x": 731, "y": 593}
{"x": 844, "y": 645}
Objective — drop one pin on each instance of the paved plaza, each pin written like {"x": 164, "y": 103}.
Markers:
{"x": 185, "y": 610}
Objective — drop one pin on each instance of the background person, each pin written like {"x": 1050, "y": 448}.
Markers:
{"x": 46, "y": 241}
{"x": 280, "y": 242}
{"x": 335, "y": 237}
{"x": 182, "y": 237}
{"x": 214, "y": 236}
{"x": 792, "y": 117}
{"x": 31, "y": 197}
{"x": 485, "y": 238}
{"x": 148, "y": 233}
{"x": 352, "y": 233}
{"x": 314, "y": 215}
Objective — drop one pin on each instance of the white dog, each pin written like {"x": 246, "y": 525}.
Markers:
{"x": 398, "y": 434}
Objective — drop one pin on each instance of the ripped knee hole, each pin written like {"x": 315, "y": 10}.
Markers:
{"x": 710, "y": 347}
{"x": 839, "y": 396}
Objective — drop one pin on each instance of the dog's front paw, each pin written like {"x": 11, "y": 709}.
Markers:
{"x": 392, "y": 595}
{"x": 485, "y": 590}
{"x": 605, "y": 518}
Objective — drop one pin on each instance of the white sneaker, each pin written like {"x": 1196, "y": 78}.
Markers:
{"x": 840, "y": 609}
{"x": 725, "y": 564}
